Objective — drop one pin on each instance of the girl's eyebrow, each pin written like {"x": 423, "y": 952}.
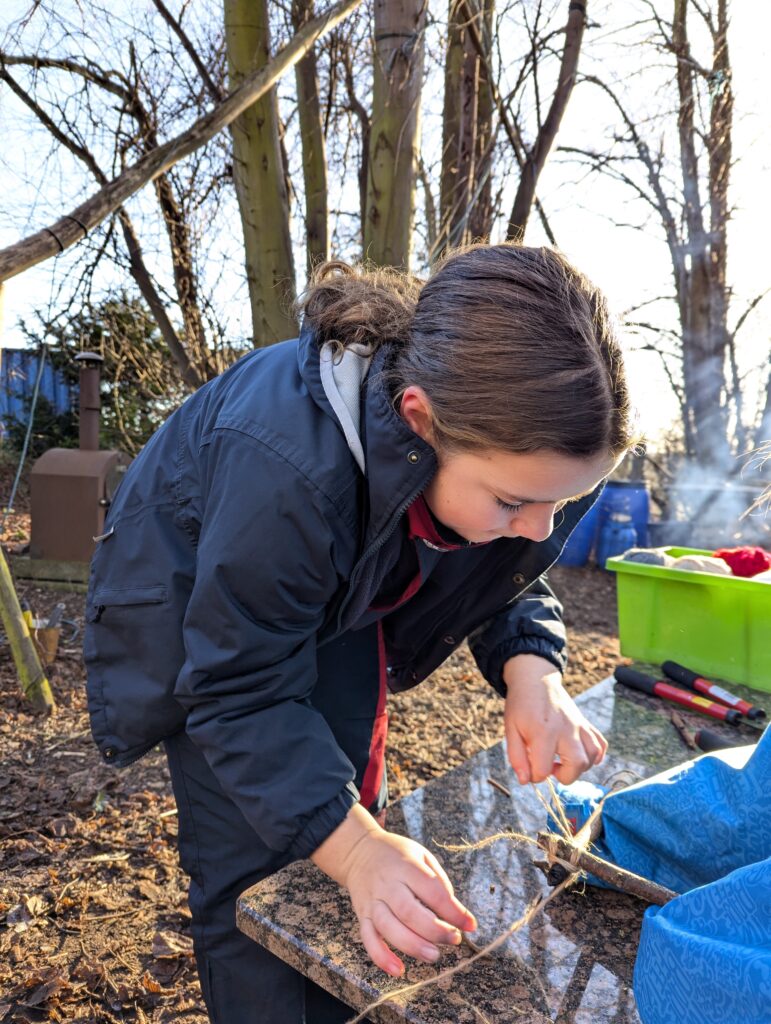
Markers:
{"x": 542, "y": 501}
{"x": 526, "y": 501}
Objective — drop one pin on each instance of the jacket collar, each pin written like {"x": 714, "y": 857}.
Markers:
{"x": 399, "y": 463}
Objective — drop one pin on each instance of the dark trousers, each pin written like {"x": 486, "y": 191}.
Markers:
{"x": 242, "y": 982}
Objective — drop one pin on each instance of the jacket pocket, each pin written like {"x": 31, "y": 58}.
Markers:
{"x": 124, "y": 597}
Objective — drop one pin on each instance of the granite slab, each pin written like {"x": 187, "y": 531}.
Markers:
{"x": 572, "y": 964}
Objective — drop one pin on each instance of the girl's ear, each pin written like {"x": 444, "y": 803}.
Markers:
{"x": 415, "y": 410}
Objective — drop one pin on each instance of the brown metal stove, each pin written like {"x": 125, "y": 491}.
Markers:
{"x": 71, "y": 488}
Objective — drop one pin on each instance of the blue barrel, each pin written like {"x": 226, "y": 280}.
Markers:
{"x": 581, "y": 540}
{"x": 630, "y": 497}
{"x": 616, "y": 536}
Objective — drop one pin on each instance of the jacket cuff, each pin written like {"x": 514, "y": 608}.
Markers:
{"x": 323, "y": 823}
{"x": 522, "y": 645}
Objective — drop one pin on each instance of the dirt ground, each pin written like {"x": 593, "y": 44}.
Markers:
{"x": 94, "y": 925}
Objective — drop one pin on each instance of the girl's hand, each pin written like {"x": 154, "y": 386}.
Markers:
{"x": 543, "y": 723}
{"x": 400, "y": 892}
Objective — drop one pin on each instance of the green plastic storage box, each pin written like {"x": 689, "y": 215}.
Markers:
{"x": 717, "y": 625}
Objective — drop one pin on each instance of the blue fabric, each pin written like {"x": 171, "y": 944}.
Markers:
{"x": 697, "y": 822}
{"x": 704, "y": 830}
{"x": 578, "y": 801}
{"x": 705, "y": 958}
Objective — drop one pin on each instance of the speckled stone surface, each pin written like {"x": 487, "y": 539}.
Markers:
{"x": 572, "y": 965}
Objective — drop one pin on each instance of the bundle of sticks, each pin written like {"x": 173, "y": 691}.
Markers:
{"x": 571, "y": 856}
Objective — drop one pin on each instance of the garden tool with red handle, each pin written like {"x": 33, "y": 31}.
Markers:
{"x": 694, "y": 681}
{"x": 659, "y": 688}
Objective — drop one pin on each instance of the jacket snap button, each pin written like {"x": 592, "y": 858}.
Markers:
{"x": 413, "y": 457}
{"x": 110, "y": 753}
{"x": 518, "y": 578}
{"x": 449, "y": 639}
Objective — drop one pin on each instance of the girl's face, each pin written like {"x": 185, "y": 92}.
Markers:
{"x": 487, "y": 495}
{"x": 490, "y": 494}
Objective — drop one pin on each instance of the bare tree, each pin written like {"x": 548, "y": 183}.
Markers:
{"x": 699, "y": 357}
{"x": 535, "y": 155}
{"x": 465, "y": 187}
{"x": 72, "y": 227}
{"x": 313, "y": 145}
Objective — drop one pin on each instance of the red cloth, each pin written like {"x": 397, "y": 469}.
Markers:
{"x": 746, "y": 561}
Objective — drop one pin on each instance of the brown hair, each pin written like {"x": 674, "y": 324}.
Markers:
{"x": 513, "y": 346}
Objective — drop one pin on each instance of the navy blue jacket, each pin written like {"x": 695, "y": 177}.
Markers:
{"x": 243, "y": 537}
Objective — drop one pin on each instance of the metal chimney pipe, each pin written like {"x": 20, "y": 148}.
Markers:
{"x": 90, "y": 400}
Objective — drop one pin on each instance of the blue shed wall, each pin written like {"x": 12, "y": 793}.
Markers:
{"x": 18, "y": 369}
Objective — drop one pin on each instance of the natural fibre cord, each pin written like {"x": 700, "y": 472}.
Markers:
{"x": 520, "y": 923}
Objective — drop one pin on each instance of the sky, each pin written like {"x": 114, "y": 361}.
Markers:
{"x": 630, "y": 265}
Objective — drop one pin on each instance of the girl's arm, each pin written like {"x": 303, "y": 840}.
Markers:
{"x": 266, "y": 570}
{"x": 521, "y": 651}
{"x": 546, "y": 734}
{"x": 532, "y": 624}
{"x": 399, "y": 891}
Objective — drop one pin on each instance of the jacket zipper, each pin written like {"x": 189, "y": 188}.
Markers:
{"x": 375, "y": 547}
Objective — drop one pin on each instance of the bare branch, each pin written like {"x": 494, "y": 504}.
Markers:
{"x": 74, "y": 226}
{"x": 752, "y": 305}
{"x": 212, "y": 88}
{"x": 89, "y": 71}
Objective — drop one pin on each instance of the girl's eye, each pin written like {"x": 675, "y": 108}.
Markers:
{"x": 507, "y": 506}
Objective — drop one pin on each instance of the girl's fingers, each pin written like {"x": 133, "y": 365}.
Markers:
{"x": 542, "y": 752}
{"x": 398, "y": 934}
{"x": 378, "y": 952}
{"x": 577, "y": 754}
{"x": 435, "y": 891}
{"x": 594, "y": 744}
{"x": 517, "y": 753}
{"x": 421, "y": 919}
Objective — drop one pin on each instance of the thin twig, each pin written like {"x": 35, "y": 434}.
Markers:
{"x": 572, "y": 858}
{"x": 500, "y": 787}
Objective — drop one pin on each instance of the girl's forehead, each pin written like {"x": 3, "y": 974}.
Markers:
{"x": 541, "y": 476}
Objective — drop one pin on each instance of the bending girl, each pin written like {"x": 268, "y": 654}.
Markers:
{"x": 328, "y": 520}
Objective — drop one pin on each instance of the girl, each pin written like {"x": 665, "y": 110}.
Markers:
{"x": 328, "y": 520}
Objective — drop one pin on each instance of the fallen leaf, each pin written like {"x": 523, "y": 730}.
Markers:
{"x": 150, "y": 983}
{"x": 171, "y": 944}
{"x": 56, "y": 980}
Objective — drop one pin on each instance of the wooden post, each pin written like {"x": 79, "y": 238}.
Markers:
{"x": 34, "y": 683}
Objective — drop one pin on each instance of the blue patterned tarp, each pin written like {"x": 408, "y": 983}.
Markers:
{"x": 704, "y": 830}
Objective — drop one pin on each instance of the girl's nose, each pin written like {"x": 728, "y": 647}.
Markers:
{"x": 534, "y": 522}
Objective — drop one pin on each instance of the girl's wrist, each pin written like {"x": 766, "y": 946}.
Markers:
{"x": 336, "y": 854}
{"x": 526, "y": 670}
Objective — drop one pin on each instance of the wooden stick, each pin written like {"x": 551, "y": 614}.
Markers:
{"x": 33, "y": 679}
{"x": 575, "y": 859}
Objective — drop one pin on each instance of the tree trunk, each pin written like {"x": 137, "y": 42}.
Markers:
{"x": 480, "y": 221}
{"x": 536, "y": 157}
{"x": 313, "y": 147}
{"x": 704, "y": 343}
{"x": 259, "y": 178}
{"x": 459, "y": 128}
{"x": 719, "y": 144}
{"x": 395, "y": 134}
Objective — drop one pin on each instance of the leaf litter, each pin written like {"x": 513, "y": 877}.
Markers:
{"x": 94, "y": 922}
